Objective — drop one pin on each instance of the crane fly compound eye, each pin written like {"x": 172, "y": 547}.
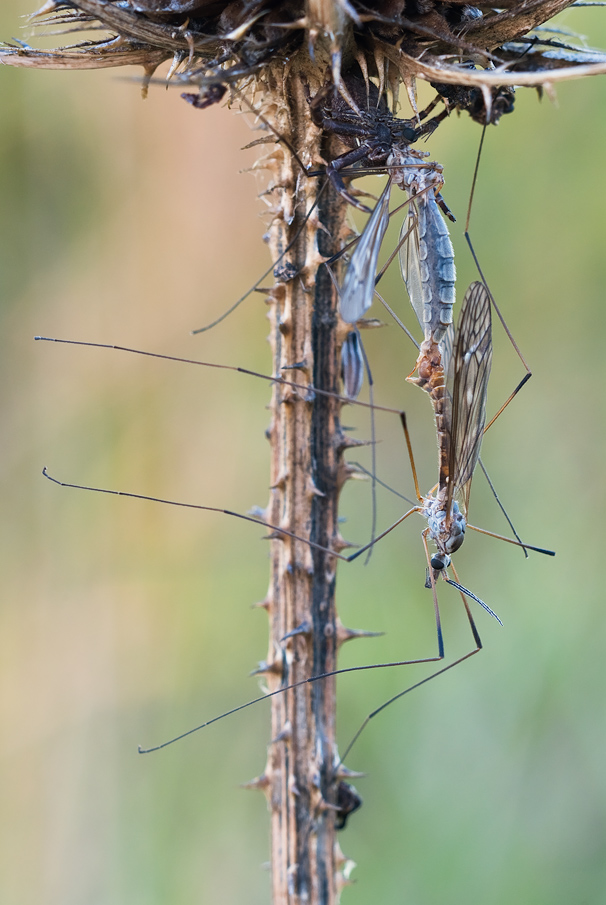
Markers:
{"x": 409, "y": 133}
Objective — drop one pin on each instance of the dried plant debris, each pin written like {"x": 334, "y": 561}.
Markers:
{"x": 214, "y": 44}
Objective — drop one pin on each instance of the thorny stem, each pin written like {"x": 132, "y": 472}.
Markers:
{"x": 306, "y": 444}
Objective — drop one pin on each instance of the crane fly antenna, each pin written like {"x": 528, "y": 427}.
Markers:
{"x": 468, "y": 593}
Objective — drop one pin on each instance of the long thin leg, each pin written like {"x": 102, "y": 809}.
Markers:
{"x": 337, "y": 672}
{"x": 473, "y": 185}
{"x": 271, "y": 694}
{"x": 279, "y": 380}
{"x": 528, "y": 374}
{"x": 501, "y": 506}
{"x": 524, "y": 380}
{"x": 247, "y": 518}
{"x": 354, "y": 364}
{"x": 402, "y": 326}
{"x": 431, "y": 106}
{"x": 392, "y": 213}
{"x": 285, "y": 141}
{"x": 392, "y": 490}
{"x": 483, "y": 278}
{"x": 400, "y": 694}
{"x": 411, "y": 457}
{"x": 379, "y": 536}
{"x": 282, "y": 381}
{"x": 510, "y": 540}
{"x": 373, "y": 453}
{"x": 333, "y": 173}
{"x": 394, "y": 253}
{"x": 266, "y": 273}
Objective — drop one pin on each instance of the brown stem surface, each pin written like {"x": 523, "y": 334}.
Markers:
{"x": 306, "y": 445}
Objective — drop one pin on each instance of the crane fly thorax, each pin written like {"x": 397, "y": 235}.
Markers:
{"x": 413, "y": 173}
{"x": 430, "y": 370}
{"x": 446, "y": 529}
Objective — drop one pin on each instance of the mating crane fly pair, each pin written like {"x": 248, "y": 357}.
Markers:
{"x": 452, "y": 368}
{"x": 428, "y": 269}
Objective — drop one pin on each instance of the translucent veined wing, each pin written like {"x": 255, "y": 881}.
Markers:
{"x": 410, "y": 262}
{"x": 446, "y": 347}
{"x": 468, "y": 384}
{"x": 358, "y": 287}
{"x": 352, "y": 364}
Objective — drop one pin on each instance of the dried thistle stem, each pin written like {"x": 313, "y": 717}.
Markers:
{"x": 306, "y": 445}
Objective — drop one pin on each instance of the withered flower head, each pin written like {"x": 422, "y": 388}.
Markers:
{"x": 473, "y": 55}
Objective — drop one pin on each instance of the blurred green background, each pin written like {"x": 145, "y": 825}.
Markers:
{"x": 125, "y": 622}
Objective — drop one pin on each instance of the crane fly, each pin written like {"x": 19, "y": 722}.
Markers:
{"x": 459, "y": 401}
{"x": 460, "y": 409}
{"x": 428, "y": 269}
{"x": 427, "y": 265}
{"x": 424, "y": 241}
{"x": 421, "y": 181}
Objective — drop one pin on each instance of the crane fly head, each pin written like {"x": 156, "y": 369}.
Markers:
{"x": 404, "y": 130}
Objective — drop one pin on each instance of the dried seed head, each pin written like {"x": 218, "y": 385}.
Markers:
{"x": 220, "y": 44}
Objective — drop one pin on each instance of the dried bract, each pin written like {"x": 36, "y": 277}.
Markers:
{"x": 227, "y": 43}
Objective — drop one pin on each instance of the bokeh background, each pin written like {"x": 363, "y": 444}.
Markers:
{"x": 125, "y": 622}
